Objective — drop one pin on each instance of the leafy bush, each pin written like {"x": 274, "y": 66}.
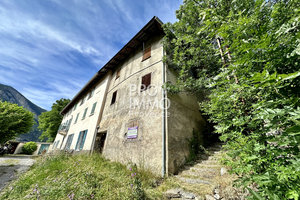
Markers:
{"x": 244, "y": 55}
{"x": 29, "y": 148}
{"x": 195, "y": 146}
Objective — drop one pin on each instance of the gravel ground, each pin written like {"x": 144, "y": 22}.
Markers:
{"x": 10, "y": 167}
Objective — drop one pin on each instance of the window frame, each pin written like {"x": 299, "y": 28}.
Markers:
{"x": 114, "y": 97}
{"x": 93, "y": 109}
{"x": 76, "y": 119}
{"x": 69, "y": 141}
{"x": 146, "y": 53}
{"x": 84, "y": 113}
{"x": 118, "y": 73}
{"x": 81, "y": 140}
{"x": 147, "y": 80}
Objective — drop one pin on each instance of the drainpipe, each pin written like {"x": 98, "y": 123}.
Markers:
{"x": 101, "y": 111}
{"x": 163, "y": 172}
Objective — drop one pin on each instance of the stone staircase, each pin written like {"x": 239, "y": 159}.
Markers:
{"x": 205, "y": 179}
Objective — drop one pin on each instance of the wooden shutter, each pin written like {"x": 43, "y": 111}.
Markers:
{"x": 82, "y": 140}
{"x": 93, "y": 108}
{"x": 146, "y": 81}
{"x": 147, "y": 53}
{"x": 78, "y": 140}
{"x": 118, "y": 73}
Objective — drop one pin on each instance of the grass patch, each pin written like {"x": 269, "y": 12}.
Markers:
{"x": 82, "y": 177}
{"x": 10, "y": 162}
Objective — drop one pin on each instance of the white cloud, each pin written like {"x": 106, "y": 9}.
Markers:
{"x": 50, "y": 49}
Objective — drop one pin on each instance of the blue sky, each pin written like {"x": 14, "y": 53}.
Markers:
{"x": 50, "y": 48}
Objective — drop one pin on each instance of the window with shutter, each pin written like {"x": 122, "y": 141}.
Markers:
{"x": 76, "y": 118}
{"x": 91, "y": 93}
{"x": 84, "y": 114}
{"x": 147, "y": 53}
{"x": 114, "y": 97}
{"x": 146, "y": 82}
{"x": 118, "y": 73}
{"x": 93, "y": 108}
{"x": 69, "y": 141}
{"x": 81, "y": 140}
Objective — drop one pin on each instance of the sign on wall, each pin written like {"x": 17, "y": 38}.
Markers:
{"x": 132, "y": 132}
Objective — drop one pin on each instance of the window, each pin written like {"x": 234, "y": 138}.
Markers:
{"x": 91, "y": 93}
{"x": 53, "y": 145}
{"x": 118, "y": 73}
{"x": 146, "y": 82}
{"x": 82, "y": 100}
{"x": 93, "y": 108}
{"x": 114, "y": 97}
{"x": 57, "y": 144}
{"x": 84, "y": 114}
{"x": 69, "y": 141}
{"x": 76, "y": 118}
{"x": 147, "y": 53}
{"x": 75, "y": 107}
{"x": 81, "y": 140}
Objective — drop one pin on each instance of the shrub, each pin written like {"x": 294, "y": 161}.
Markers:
{"x": 29, "y": 148}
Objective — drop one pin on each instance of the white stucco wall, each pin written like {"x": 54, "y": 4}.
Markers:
{"x": 88, "y": 123}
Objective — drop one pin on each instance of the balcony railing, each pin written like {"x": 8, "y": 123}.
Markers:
{"x": 64, "y": 128}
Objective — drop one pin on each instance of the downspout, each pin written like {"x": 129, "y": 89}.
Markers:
{"x": 163, "y": 172}
{"x": 101, "y": 111}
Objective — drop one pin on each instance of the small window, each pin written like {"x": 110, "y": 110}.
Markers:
{"x": 82, "y": 100}
{"x": 118, "y": 73}
{"x": 53, "y": 145}
{"x": 93, "y": 108}
{"x": 114, "y": 97}
{"x": 147, "y": 53}
{"x": 146, "y": 82}
{"x": 57, "y": 144}
{"x": 81, "y": 140}
{"x": 84, "y": 114}
{"x": 76, "y": 118}
{"x": 91, "y": 93}
{"x": 75, "y": 107}
{"x": 69, "y": 141}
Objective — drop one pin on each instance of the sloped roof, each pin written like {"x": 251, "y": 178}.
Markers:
{"x": 153, "y": 27}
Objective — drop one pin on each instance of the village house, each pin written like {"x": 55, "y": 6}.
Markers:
{"x": 125, "y": 113}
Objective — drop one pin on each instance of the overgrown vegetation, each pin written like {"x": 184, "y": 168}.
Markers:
{"x": 81, "y": 177}
{"x": 49, "y": 121}
{"x": 29, "y": 148}
{"x": 14, "y": 120}
{"x": 195, "y": 146}
{"x": 244, "y": 56}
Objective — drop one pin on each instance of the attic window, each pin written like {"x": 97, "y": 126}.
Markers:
{"x": 147, "y": 53}
{"x": 146, "y": 82}
{"x": 118, "y": 74}
{"x": 91, "y": 93}
{"x": 114, "y": 97}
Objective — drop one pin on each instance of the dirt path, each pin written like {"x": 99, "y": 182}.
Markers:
{"x": 10, "y": 167}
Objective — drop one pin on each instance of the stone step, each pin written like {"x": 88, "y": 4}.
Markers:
{"x": 200, "y": 165}
{"x": 209, "y": 162}
{"x": 200, "y": 174}
{"x": 193, "y": 181}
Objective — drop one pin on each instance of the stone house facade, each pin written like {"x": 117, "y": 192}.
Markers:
{"x": 135, "y": 120}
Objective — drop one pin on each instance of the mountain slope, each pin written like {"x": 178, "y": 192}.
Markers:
{"x": 11, "y": 95}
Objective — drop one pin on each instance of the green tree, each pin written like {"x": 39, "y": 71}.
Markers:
{"x": 49, "y": 121}
{"x": 14, "y": 120}
{"x": 244, "y": 55}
